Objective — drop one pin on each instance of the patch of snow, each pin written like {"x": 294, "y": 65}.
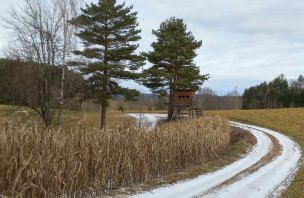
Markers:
{"x": 148, "y": 120}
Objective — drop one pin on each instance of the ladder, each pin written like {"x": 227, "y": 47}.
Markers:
{"x": 176, "y": 113}
{"x": 193, "y": 112}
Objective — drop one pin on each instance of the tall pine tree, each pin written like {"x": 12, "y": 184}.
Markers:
{"x": 172, "y": 61}
{"x": 109, "y": 34}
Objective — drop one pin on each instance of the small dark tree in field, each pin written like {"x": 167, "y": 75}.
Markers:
{"x": 109, "y": 34}
{"x": 172, "y": 58}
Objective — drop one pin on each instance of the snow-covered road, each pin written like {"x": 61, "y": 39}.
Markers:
{"x": 268, "y": 180}
{"x": 147, "y": 119}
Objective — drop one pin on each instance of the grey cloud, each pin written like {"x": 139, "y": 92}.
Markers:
{"x": 244, "y": 41}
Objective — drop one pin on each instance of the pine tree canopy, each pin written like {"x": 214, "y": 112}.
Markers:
{"x": 109, "y": 33}
{"x": 172, "y": 59}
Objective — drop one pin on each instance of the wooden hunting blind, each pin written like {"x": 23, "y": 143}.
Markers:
{"x": 184, "y": 97}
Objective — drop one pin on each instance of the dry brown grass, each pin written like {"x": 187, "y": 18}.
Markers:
{"x": 84, "y": 161}
{"x": 69, "y": 118}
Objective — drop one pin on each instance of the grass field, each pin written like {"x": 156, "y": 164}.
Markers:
{"x": 69, "y": 118}
{"x": 287, "y": 121}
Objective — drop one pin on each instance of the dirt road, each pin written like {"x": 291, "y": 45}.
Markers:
{"x": 264, "y": 172}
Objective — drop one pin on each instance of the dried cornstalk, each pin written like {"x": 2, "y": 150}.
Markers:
{"x": 82, "y": 161}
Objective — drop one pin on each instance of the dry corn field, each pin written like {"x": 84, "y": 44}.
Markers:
{"x": 84, "y": 161}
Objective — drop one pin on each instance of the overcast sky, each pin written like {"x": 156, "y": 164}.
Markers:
{"x": 245, "y": 42}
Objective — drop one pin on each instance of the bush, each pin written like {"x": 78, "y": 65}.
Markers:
{"x": 149, "y": 108}
{"x": 121, "y": 108}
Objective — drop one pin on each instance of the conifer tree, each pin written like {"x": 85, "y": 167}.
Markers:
{"x": 172, "y": 61}
{"x": 109, "y": 34}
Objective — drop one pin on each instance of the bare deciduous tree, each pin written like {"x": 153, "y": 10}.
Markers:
{"x": 37, "y": 29}
{"x": 209, "y": 100}
{"x": 42, "y": 35}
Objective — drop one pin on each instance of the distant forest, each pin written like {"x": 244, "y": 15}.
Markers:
{"x": 278, "y": 93}
{"x": 20, "y": 85}
{"x": 19, "y": 82}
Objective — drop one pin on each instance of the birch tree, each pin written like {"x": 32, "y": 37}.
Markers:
{"x": 68, "y": 10}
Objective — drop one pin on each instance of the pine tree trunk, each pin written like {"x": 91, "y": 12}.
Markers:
{"x": 171, "y": 106}
{"x": 103, "y": 116}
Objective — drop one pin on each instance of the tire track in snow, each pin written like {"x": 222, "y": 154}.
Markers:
{"x": 273, "y": 153}
{"x": 269, "y": 180}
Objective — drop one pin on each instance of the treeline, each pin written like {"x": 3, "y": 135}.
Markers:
{"x": 37, "y": 86}
{"x": 209, "y": 100}
{"x": 278, "y": 93}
